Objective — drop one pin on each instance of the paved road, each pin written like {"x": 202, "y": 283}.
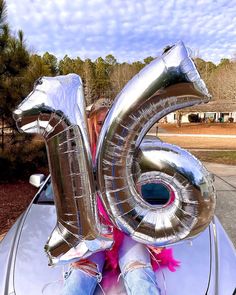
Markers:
{"x": 225, "y": 183}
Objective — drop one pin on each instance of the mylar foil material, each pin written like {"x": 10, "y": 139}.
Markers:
{"x": 55, "y": 109}
{"x": 193, "y": 200}
{"x": 169, "y": 83}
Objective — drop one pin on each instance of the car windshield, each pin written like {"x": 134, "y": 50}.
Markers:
{"x": 153, "y": 194}
{"x": 45, "y": 196}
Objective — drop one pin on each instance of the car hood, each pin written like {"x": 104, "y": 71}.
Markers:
{"x": 32, "y": 275}
{"x": 196, "y": 275}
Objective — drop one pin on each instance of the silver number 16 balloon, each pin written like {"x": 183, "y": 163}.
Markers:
{"x": 55, "y": 109}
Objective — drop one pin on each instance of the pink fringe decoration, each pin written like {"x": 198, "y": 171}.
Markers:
{"x": 110, "y": 280}
{"x": 111, "y": 255}
{"x": 165, "y": 259}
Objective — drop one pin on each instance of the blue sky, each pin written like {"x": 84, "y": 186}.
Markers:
{"x": 128, "y": 29}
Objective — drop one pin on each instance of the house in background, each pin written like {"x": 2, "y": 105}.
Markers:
{"x": 213, "y": 111}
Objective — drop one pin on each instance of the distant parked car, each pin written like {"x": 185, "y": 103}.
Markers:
{"x": 208, "y": 263}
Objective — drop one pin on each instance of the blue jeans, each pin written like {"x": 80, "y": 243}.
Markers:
{"x": 135, "y": 265}
{"x": 78, "y": 282}
{"x": 134, "y": 261}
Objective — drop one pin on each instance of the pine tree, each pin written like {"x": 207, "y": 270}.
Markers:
{"x": 50, "y": 60}
{"x": 14, "y": 60}
{"x": 89, "y": 81}
{"x": 102, "y": 77}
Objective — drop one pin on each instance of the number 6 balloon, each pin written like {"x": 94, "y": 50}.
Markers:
{"x": 55, "y": 109}
{"x": 169, "y": 83}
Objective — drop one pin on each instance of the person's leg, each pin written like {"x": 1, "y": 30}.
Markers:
{"x": 136, "y": 269}
{"x": 82, "y": 278}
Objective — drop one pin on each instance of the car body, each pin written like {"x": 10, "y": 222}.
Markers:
{"x": 208, "y": 262}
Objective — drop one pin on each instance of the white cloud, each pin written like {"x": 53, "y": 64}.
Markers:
{"x": 131, "y": 29}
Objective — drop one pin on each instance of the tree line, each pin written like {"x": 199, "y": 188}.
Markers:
{"x": 103, "y": 77}
{"x": 19, "y": 68}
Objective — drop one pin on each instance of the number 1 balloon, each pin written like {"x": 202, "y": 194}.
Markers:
{"x": 55, "y": 109}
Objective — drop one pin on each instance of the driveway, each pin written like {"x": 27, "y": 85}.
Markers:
{"x": 225, "y": 183}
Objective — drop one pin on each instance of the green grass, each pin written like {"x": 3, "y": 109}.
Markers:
{"x": 221, "y": 157}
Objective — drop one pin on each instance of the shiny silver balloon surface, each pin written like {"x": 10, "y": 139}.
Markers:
{"x": 190, "y": 205}
{"x": 55, "y": 109}
{"x": 169, "y": 83}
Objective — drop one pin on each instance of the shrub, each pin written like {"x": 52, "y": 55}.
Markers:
{"x": 22, "y": 159}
